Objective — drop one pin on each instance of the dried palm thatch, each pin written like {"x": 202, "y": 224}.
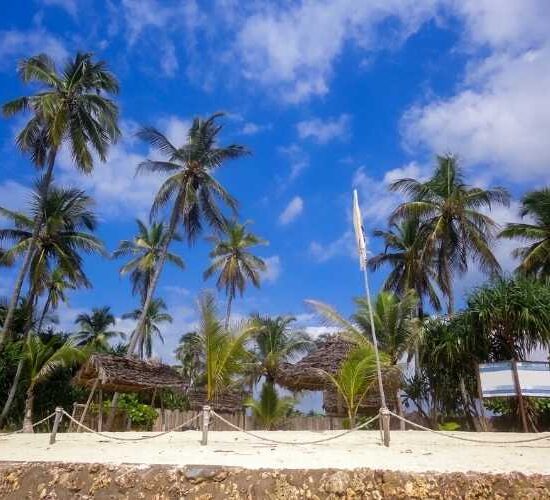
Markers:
{"x": 308, "y": 374}
{"x": 122, "y": 374}
{"x": 229, "y": 401}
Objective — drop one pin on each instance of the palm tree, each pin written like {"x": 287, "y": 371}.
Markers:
{"x": 155, "y": 316}
{"x": 55, "y": 285}
{"x": 453, "y": 229}
{"x": 403, "y": 251}
{"x": 355, "y": 377}
{"x": 71, "y": 108}
{"x": 42, "y": 360}
{"x": 145, "y": 250}
{"x": 68, "y": 221}
{"x": 535, "y": 257}
{"x": 397, "y": 331}
{"x": 191, "y": 187}
{"x": 223, "y": 353}
{"x": 235, "y": 263}
{"x": 275, "y": 343}
{"x": 95, "y": 329}
{"x": 189, "y": 354}
{"x": 270, "y": 409}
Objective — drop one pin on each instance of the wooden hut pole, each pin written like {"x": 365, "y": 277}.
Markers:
{"x": 100, "y": 411}
{"x": 85, "y": 411}
{"x": 522, "y": 412}
{"x": 162, "y": 416}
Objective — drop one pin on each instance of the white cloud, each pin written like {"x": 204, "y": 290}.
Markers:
{"x": 292, "y": 210}
{"x": 14, "y": 196}
{"x": 500, "y": 113}
{"x": 323, "y": 131}
{"x": 299, "y": 159}
{"x": 169, "y": 60}
{"x": 15, "y": 44}
{"x": 251, "y": 128}
{"x": 342, "y": 246}
{"x": 176, "y": 129}
{"x": 68, "y": 5}
{"x": 273, "y": 269}
{"x": 316, "y": 331}
{"x": 293, "y": 46}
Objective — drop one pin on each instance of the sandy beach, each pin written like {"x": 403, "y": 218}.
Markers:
{"x": 410, "y": 451}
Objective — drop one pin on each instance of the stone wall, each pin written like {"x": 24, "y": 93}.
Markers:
{"x": 86, "y": 481}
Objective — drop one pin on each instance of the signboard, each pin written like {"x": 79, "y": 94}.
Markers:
{"x": 497, "y": 379}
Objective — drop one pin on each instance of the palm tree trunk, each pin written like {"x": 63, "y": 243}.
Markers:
{"x": 399, "y": 405}
{"x": 138, "y": 331}
{"x": 21, "y": 362}
{"x": 29, "y": 404}
{"x": 38, "y": 221}
{"x": 228, "y": 311}
{"x": 44, "y": 312}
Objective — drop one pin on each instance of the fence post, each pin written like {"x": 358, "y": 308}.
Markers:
{"x": 56, "y": 422}
{"x": 385, "y": 422}
{"x": 205, "y": 423}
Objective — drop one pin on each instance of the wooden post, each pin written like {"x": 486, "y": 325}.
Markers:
{"x": 85, "y": 411}
{"x": 162, "y": 416}
{"x": 75, "y": 405}
{"x": 484, "y": 423}
{"x": 520, "y": 397}
{"x": 205, "y": 424}
{"x": 385, "y": 422}
{"x": 100, "y": 413}
{"x": 56, "y": 422}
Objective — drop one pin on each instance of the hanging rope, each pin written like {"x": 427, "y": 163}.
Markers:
{"x": 142, "y": 438}
{"x": 275, "y": 441}
{"x": 33, "y": 425}
{"x": 471, "y": 440}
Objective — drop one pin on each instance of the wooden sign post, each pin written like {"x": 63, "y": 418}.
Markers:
{"x": 521, "y": 404}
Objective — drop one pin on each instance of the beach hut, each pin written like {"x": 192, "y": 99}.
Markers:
{"x": 308, "y": 375}
{"x": 106, "y": 372}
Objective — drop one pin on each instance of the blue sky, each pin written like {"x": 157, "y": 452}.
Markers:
{"x": 329, "y": 95}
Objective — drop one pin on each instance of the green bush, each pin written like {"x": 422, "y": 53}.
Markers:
{"x": 141, "y": 415}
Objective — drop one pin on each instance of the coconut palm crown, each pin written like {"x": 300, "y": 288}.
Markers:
{"x": 535, "y": 256}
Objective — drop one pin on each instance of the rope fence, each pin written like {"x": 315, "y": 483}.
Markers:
{"x": 471, "y": 440}
{"x": 275, "y": 441}
{"x": 3, "y": 435}
{"x": 141, "y": 438}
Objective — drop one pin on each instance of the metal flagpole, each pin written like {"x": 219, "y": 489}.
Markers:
{"x": 362, "y": 250}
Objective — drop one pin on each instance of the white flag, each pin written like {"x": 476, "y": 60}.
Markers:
{"x": 359, "y": 233}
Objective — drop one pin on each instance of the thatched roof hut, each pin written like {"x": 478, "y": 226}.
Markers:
{"x": 308, "y": 374}
{"x": 122, "y": 374}
{"x": 229, "y": 401}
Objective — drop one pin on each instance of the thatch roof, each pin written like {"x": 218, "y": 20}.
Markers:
{"x": 334, "y": 406}
{"x": 122, "y": 374}
{"x": 306, "y": 374}
{"x": 229, "y": 401}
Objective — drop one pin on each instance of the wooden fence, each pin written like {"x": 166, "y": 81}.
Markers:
{"x": 173, "y": 418}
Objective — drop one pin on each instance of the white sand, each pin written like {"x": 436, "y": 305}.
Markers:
{"x": 413, "y": 451}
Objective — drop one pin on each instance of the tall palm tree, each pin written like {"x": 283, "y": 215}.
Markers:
{"x": 144, "y": 252}
{"x": 275, "y": 342}
{"x": 68, "y": 220}
{"x": 156, "y": 315}
{"x": 189, "y": 354}
{"x": 453, "y": 228}
{"x": 95, "y": 329}
{"x": 223, "y": 353}
{"x": 42, "y": 360}
{"x": 403, "y": 251}
{"x": 231, "y": 257}
{"x": 56, "y": 284}
{"x": 71, "y": 107}
{"x": 190, "y": 187}
{"x": 535, "y": 257}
